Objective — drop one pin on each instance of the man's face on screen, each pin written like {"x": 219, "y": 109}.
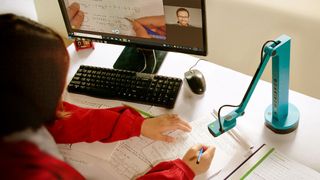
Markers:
{"x": 183, "y": 18}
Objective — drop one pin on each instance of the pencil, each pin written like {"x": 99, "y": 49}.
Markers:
{"x": 199, "y": 155}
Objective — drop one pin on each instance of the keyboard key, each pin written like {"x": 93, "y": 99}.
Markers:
{"x": 126, "y": 86}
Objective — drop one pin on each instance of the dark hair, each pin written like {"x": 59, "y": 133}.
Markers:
{"x": 33, "y": 71}
{"x": 182, "y": 9}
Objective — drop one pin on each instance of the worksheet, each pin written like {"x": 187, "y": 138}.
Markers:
{"x": 225, "y": 147}
{"x": 109, "y": 16}
{"x": 89, "y": 166}
{"x": 134, "y": 157}
{"x": 128, "y": 161}
{"x": 269, "y": 163}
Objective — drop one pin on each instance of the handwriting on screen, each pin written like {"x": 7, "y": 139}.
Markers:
{"x": 108, "y": 16}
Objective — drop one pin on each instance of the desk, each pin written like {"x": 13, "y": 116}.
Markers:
{"x": 225, "y": 86}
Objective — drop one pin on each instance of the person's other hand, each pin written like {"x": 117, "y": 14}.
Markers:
{"x": 154, "y": 23}
{"x": 154, "y": 128}
{"x": 190, "y": 158}
{"x": 76, "y": 16}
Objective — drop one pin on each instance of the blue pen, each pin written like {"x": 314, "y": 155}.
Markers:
{"x": 200, "y": 154}
{"x": 149, "y": 31}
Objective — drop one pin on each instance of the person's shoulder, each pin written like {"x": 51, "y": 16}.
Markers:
{"x": 178, "y": 25}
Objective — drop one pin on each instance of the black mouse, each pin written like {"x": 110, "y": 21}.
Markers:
{"x": 195, "y": 81}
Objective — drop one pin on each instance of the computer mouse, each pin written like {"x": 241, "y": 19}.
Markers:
{"x": 195, "y": 81}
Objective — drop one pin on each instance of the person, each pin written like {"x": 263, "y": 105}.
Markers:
{"x": 76, "y": 16}
{"x": 35, "y": 118}
{"x": 183, "y": 17}
{"x": 150, "y": 27}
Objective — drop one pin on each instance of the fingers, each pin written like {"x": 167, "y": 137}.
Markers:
{"x": 77, "y": 20}
{"x": 178, "y": 120}
{"x": 191, "y": 157}
{"x": 140, "y": 30}
{"x": 155, "y": 128}
{"x": 176, "y": 126}
{"x": 73, "y": 10}
{"x": 177, "y": 123}
{"x": 209, "y": 153}
{"x": 193, "y": 152}
{"x": 166, "y": 138}
{"x": 76, "y": 16}
{"x": 197, "y": 147}
{"x": 182, "y": 128}
{"x": 154, "y": 20}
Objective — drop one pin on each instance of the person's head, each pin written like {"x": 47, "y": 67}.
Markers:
{"x": 183, "y": 16}
{"x": 33, "y": 73}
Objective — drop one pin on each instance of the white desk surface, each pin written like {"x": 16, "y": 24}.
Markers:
{"x": 225, "y": 86}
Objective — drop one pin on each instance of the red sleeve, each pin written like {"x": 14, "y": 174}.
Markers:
{"x": 176, "y": 169}
{"x": 89, "y": 125}
{"x": 24, "y": 160}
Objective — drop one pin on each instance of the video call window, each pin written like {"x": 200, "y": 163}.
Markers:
{"x": 176, "y": 24}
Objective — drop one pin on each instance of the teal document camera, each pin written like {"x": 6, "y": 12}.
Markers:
{"x": 281, "y": 116}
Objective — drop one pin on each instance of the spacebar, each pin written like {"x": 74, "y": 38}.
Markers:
{"x": 98, "y": 92}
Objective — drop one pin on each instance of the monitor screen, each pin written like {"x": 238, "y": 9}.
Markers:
{"x": 165, "y": 25}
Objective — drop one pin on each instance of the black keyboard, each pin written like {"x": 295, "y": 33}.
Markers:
{"x": 126, "y": 86}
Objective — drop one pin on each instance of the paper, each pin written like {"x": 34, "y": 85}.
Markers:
{"x": 226, "y": 147}
{"x": 275, "y": 165}
{"x": 97, "y": 149}
{"x": 134, "y": 157}
{"x": 89, "y": 102}
{"x": 127, "y": 159}
{"x": 89, "y": 166}
{"x": 108, "y": 16}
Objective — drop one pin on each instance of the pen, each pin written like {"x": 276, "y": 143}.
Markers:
{"x": 147, "y": 115}
{"x": 199, "y": 155}
{"x": 149, "y": 31}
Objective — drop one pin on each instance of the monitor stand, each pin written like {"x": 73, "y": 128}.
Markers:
{"x": 140, "y": 60}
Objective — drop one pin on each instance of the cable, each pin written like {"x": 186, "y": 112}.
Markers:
{"x": 263, "y": 46}
{"x": 194, "y": 64}
{"x": 228, "y": 105}
{"x": 154, "y": 62}
{"x": 219, "y": 117}
{"x": 145, "y": 62}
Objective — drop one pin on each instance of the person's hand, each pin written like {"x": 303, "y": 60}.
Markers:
{"x": 76, "y": 16}
{"x": 190, "y": 158}
{"x": 154, "y": 128}
{"x": 154, "y": 23}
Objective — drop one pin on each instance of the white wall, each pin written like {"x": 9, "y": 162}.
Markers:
{"x": 49, "y": 14}
{"x": 21, "y": 7}
{"x": 238, "y": 28}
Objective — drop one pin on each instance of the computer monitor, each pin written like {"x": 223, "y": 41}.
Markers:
{"x": 148, "y": 28}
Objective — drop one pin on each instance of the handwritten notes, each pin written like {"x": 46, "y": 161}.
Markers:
{"x": 137, "y": 155}
{"x": 159, "y": 151}
{"x": 89, "y": 166}
{"x": 108, "y": 16}
{"x": 127, "y": 159}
